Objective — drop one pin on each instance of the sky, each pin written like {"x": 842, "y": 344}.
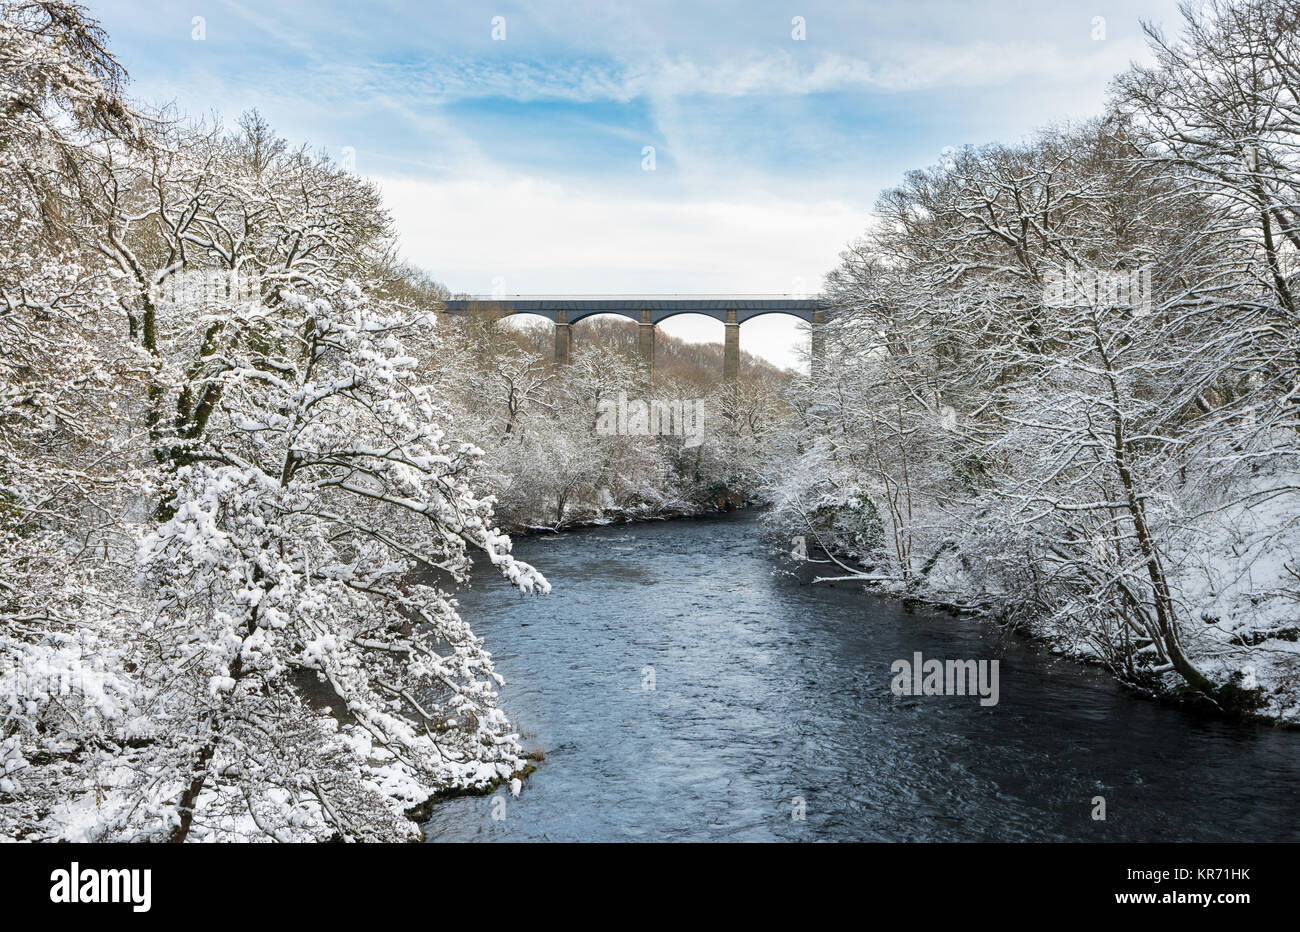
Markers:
{"x": 635, "y": 147}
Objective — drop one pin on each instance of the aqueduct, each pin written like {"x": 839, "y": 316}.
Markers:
{"x": 649, "y": 310}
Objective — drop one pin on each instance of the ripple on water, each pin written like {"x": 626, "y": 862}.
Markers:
{"x": 767, "y": 689}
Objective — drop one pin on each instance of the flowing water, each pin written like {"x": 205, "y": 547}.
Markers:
{"x": 768, "y": 690}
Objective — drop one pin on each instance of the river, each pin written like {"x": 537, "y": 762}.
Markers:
{"x": 685, "y": 686}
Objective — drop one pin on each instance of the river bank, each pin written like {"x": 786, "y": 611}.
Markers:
{"x": 614, "y": 518}
{"x": 946, "y": 590}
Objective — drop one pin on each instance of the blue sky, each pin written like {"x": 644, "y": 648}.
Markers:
{"x": 518, "y": 162}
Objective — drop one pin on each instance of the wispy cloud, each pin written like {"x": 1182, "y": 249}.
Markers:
{"x": 450, "y": 79}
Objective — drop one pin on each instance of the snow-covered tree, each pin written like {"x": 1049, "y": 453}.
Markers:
{"x": 305, "y": 582}
{"x": 70, "y": 380}
{"x": 1037, "y": 434}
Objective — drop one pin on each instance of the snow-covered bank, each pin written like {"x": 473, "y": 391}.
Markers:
{"x": 598, "y": 519}
{"x": 1233, "y": 578}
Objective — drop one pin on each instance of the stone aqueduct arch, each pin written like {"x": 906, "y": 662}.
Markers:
{"x": 649, "y": 310}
